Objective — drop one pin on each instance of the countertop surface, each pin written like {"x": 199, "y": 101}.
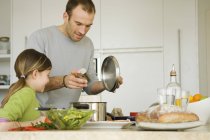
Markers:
{"x": 198, "y": 133}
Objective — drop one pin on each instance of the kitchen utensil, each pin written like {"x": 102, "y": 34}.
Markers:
{"x": 110, "y": 71}
{"x": 82, "y": 73}
{"x": 114, "y": 118}
{"x": 44, "y": 108}
{"x": 98, "y": 107}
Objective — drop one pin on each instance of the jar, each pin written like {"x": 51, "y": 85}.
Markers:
{"x": 134, "y": 114}
{"x": 4, "y": 45}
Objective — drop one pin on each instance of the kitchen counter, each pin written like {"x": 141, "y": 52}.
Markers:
{"x": 199, "y": 133}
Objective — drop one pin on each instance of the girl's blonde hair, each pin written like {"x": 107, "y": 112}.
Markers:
{"x": 26, "y": 62}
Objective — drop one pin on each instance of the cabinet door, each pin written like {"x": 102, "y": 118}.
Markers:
{"x": 5, "y": 16}
{"x": 5, "y": 22}
{"x": 180, "y": 42}
{"x": 142, "y": 74}
{"x": 95, "y": 30}
{"x": 26, "y": 18}
{"x": 131, "y": 24}
{"x": 52, "y": 14}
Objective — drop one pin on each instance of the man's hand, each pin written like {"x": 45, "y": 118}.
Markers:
{"x": 119, "y": 81}
{"x": 75, "y": 80}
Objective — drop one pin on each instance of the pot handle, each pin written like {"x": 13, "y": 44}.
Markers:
{"x": 81, "y": 106}
{"x": 112, "y": 116}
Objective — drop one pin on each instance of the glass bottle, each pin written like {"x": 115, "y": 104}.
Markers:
{"x": 173, "y": 95}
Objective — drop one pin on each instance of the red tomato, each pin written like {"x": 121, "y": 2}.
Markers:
{"x": 47, "y": 120}
{"x": 27, "y": 128}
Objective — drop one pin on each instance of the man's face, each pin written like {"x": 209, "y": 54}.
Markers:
{"x": 78, "y": 24}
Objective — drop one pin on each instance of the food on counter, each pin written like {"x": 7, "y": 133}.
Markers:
{"x": 166, "y": 114}
{"x": 190, "y": 99}
{"x": 68, "y": 119}
{"x": 117, "y": 112}
{"x": 35, "y": 127}
{"x": 177, "y": 117}
{"x": 27, "y": 128}
{"x": 196, "y": 97}
{"x": 45, "y": 124}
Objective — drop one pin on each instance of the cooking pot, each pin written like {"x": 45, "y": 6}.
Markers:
{"x": 98, "y": 107}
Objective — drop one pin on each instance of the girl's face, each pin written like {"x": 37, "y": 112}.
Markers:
{"x": 42, "y": 78}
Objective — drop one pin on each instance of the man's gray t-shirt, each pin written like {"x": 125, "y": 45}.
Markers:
{"x": 66, "y": 56}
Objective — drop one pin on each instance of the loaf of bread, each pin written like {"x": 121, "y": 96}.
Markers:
{"x": 177, "y": 117}
{"x": 166, "y": 114}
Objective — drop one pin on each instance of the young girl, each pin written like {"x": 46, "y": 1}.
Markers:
{"x": 32, "y": 69}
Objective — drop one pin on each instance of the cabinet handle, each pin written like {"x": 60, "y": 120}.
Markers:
{"x": 179, "y": 55}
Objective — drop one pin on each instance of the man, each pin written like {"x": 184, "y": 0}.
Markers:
{"x": 69, "y": 50}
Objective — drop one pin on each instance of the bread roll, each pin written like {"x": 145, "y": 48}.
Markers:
{"x": 166, "y": 114}
{"x": 177, "y": 117}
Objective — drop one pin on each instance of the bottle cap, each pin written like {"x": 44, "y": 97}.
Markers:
{"x": 173, "y": 72}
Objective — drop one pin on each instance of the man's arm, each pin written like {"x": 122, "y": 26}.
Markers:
{"x": 68, "y": 81}
{"x": 55, "y": 82}
{"x": 97, "y": 88}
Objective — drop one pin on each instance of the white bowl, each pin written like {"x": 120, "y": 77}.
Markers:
{"x": 202, "y": 109}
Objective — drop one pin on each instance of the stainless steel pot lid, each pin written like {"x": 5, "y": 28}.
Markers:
{"x": 110, "y": 71}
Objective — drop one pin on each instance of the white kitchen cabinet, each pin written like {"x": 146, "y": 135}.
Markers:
{"x": 95, "y": 30}
{"x": 5, "y": 16}
{"x": 180, "y": 42}
{"x": 173, "y": 28}
{"x": 5, "y": 57}
{"x": 52, "y": 14}
{"x": 142, "y": 74}
{"x": 4, "y": 70}
{"x": 26, "y": 18}
{"x": 131, "y": 24}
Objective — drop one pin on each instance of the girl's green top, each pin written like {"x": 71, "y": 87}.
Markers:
{"x": 21, "y": 106}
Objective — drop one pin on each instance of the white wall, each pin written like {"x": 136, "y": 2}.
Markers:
{"x": 204, "y": 46}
